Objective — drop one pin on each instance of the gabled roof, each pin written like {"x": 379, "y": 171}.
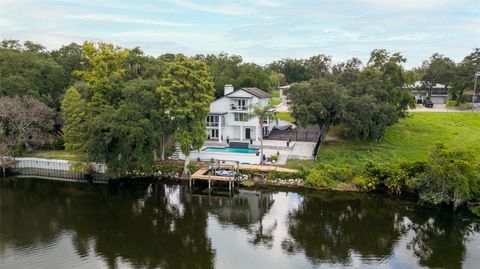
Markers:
{"x": 254, "y": 91}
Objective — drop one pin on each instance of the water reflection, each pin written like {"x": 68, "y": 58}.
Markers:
{"x": 336, "y": 228}
{"x": 47, "y": 224}
{"x": 163, "y": 230}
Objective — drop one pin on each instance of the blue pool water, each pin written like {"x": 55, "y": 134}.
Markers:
{"x": 231, "y": 150}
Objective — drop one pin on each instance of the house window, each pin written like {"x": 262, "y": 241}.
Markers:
{"x": 240, "y": 117}
{"x": 239, "y": 104}
{"x": 439, "y": 91}
{"x": 212, "y": 120}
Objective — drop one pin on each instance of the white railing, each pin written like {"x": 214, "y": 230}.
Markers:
{"x": 60, "y": 165}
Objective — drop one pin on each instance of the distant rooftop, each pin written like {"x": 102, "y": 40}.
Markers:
{"x": 420, "y": 84}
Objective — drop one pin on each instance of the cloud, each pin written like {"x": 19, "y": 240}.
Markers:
{"x": 123, "y": 19}
{"x": 219, "y": 8}
{"x": 408, "y": 4}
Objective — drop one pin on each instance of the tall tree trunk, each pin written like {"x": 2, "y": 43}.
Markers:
{"x": 459, "y": 98}
{"x": 162, "y": 156}
{"x": 186, "y": 173}
{"x": 261, "y": 141}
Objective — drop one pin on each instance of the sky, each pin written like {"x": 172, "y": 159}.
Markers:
{"x": 259, "y": 30}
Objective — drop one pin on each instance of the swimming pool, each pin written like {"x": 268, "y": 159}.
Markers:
{"x": 231, "y": 150}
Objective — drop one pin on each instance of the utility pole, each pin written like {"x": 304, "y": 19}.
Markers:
{"x": 474, "y": 97}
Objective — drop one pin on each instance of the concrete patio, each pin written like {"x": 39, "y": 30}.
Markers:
{"x": 295, "y": 150}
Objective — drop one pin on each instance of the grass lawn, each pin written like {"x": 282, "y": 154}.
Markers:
{"x": 453, "y": 103}
{"x": 286, "y": 116}
{"x": 275, "y": 101}
{"x": 57, "y": 154}
{"x": 411, "y": 139}
{"x": 276, "y": 93}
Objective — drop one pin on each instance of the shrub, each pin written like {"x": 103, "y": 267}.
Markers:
{"x": 329, "y": 175}
{"x": 282, "y": 175}
{"x": 303, "y": 172}
{"x": 320, "y": 178}
{"x": 365, "y": 183}
{"x": 413, "y": 168}
{"x": 451, "y": 176}
{"x": 393, "y": 177}
{"x": 169, "y": 168}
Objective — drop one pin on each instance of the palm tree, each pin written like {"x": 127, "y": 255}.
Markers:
{"x": 263, "y": 113}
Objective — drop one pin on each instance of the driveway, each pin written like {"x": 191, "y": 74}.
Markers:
{"x": 443, "y": 108}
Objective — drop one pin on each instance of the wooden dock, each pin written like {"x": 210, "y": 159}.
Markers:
{"x": 201, "y": 175}
{"x": 203, "y": 172}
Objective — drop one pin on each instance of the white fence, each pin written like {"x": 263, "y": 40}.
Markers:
{"x": 60, "y": 165}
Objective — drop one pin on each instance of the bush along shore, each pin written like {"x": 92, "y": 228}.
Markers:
{"x": 449, "y": 176}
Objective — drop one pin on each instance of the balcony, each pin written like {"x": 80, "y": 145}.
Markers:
{"x": 213, "y": 124}
{"x": 236, "y": 108}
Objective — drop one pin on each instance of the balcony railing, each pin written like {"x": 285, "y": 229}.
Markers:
{"x": 238, "y": 108}
{"x": 213, "y": 124}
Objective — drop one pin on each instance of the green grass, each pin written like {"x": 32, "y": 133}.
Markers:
{"x": 57, "y": 154}
{"x": 276, "y": 93}
{"x": 453, "y": 103}
{"x": 275, "y": 101}
{"x": 286, "y": 116}
{"x": 411, "y": 139}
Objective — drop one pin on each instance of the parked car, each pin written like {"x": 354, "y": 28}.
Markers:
{"x": 428, "y": 103}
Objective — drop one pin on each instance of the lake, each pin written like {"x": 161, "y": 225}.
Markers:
{"x": 50, "y": 224}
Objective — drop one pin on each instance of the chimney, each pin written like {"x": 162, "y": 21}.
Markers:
{"x": 227, "y": 89}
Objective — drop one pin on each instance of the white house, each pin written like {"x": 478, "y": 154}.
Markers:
{"x": 230, "y": 118}
{"x": 440, "y": 93}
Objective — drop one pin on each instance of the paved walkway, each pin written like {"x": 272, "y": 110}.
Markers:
{"x": 282, "y": 107}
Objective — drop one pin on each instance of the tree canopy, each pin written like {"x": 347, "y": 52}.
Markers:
{"x": 187, "y": 89}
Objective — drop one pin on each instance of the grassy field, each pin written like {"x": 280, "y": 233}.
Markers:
{"x": 275, "y": 101}
{"x": 286, "y": 116}
{"x": 453, "y": 103}
{"x": 411, "y": 139}
{"x": 57, "y": 154}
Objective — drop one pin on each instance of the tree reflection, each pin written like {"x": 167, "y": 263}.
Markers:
{"x": 330, "y": 226}
{"x": 439, "y": 240}
{"x": 245, "y": 210}
{"x": 148, "y": 231}
{"x": 166, "y": 226}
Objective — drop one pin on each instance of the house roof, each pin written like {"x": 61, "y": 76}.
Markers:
{"x": 254, "y": 91}
{"x": 421, "y": 84}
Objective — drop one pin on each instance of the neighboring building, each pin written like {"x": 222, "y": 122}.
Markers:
{"x": 229, "y": 115}
{"x": 440, "y": 93}
{"x": 282, "y": 90}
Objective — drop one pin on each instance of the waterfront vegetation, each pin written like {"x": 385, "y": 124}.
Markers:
{"x": 419, "y": 147}
{"x": 126, "y": 110}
